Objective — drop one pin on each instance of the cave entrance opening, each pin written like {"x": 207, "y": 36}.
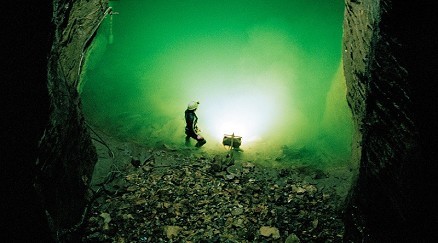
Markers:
{"x": 269, "y": 71}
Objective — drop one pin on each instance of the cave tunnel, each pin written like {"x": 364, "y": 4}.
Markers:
{"x": 271, "y": 75}
{"x": 385, "y": 61}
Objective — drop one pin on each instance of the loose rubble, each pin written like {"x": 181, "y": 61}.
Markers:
{"x": 173, "y": 196}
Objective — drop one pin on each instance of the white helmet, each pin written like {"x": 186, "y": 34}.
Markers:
{"x": 193, "y": 105}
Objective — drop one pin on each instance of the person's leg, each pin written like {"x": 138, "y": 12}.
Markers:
{"x": 188, "y": 135}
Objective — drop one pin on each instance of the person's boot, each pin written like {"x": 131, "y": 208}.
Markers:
{"x": 200, "y": 143}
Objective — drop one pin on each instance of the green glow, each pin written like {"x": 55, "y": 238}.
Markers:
{"x": 269, "y": 71}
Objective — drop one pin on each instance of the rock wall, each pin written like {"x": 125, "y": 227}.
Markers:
{"x": 381, "y": 72}
{"x": 67, "y": 156}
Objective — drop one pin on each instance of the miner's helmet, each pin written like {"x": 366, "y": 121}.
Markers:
{"x": 193, "y": 105}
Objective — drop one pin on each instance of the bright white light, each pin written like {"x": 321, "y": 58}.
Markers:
{"x": 249, "y": 111}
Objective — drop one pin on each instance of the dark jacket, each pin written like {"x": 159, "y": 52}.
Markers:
{"x": 191, "y": 120}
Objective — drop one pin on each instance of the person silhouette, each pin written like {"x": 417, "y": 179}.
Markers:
{"x": 191, "y": 129}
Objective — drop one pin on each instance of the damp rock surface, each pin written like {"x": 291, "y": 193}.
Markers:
{"x": 173, "y": 194}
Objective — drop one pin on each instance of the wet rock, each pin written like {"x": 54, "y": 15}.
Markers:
{"x": 106, "y": 219}
{"x": 229, "y": 176}
{"x": 169, "y": 148}
{"x": 217, "y": 164}
{"x": 235, "y": 170}
{"x": 147, "y": 158}
{"x": 214, "y": 204}
{"x": 248, "y": 165}
{"x": 172, "y": 231}
{"x": 315, "y": 223}
{"x": 269, "y": 232}
{"x": 237, "y": 211}
{"x": 292, "y": 238}
{"x": 298, "y": 189}
{"x": 135, "y": 162}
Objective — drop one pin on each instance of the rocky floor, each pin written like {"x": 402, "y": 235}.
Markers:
{"x": 188, "y": 195}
